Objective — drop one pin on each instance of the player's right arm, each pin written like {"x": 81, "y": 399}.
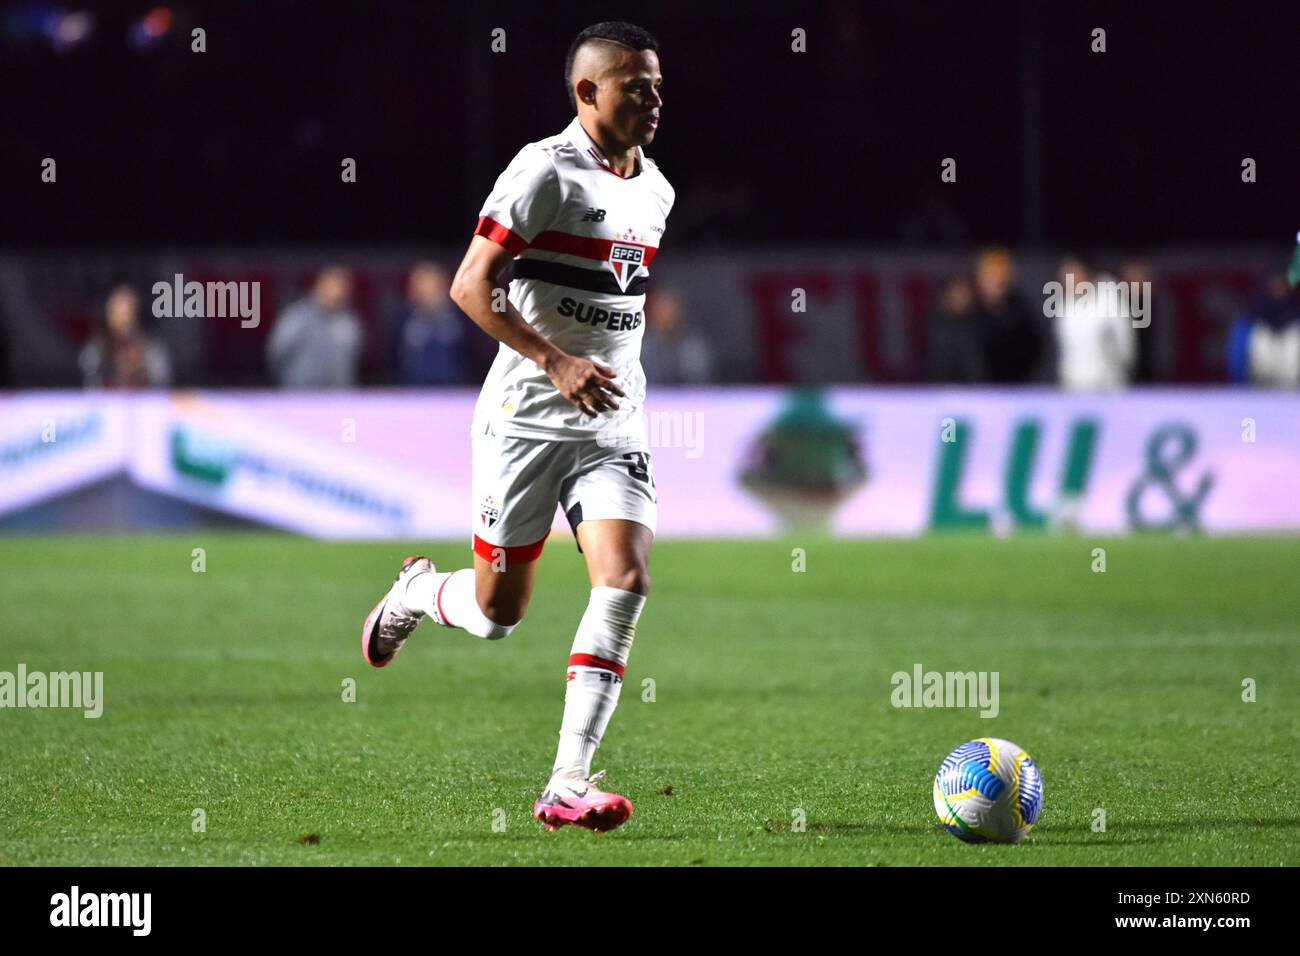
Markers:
{"x": 589, "y": 386}
{"x": 525, "y": 201}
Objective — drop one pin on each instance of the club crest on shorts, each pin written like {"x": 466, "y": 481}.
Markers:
{"x": 625, "y": 258}
{"x": 488, "y": 512}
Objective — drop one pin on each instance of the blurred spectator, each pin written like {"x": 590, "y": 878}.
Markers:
{"x": 317, "y": 341}
{"x": 122, "y": 354}
{"x": 1264, "y": 341}
{"x": 1139, "y": 270}
{"x": 671, "y": 354}
{"x": 433, "y": 336}
{"x": 1095, "y": 340}
{"x": 956, "y": 355}
{"x": 1010, "y": 333}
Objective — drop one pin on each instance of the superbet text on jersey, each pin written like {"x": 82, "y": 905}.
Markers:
{"x": 584, "y": 237}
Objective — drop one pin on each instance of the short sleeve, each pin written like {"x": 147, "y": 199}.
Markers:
{"x": 524, "y": 202}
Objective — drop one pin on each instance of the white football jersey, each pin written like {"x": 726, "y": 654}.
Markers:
{"x": 583, "y": 237}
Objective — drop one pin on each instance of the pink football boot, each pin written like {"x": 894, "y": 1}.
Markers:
{"x": 578, "y": 801}
{"x": 391, "y": 622}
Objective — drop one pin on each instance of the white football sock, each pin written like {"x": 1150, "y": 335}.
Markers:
{"x": 449, "y": 599}
{"x": 595, "y": 676}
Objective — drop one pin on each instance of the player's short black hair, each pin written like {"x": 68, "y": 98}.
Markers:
{"x": 628, "y": 34}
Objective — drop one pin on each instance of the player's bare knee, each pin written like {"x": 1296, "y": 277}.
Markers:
{"x": 502, "y": 616}
{"x": 504, "y": 613}
{"x": 634, "y": 579}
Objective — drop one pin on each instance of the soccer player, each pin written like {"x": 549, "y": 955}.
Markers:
{"x": 559, "y": 419}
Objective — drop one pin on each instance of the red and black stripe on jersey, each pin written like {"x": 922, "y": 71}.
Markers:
{"x": 599, "y": 280}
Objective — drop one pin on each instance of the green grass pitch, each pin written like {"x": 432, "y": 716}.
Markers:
{"x": 224, "y": 692}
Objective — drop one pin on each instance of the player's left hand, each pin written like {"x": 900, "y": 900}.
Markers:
{"x": 589, "y": 385}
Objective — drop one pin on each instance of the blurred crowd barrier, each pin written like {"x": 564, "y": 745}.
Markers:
{"x": 799, "y": 317}
{"x": 739, "y": 461}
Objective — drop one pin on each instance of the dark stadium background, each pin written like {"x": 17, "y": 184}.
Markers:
{"x": 1056, "y": 145}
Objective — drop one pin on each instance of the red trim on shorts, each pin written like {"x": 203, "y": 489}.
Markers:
{"x": 590, "y": 660}
{"x": 516, "y": 554}
{"x": 489, "y": 228}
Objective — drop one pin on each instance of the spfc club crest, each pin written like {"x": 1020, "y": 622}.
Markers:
{"x": 488, "y": 512}
{"x": 625, "y": 258}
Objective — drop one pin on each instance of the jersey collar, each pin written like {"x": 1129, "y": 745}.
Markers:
{"x": 592, "y": 151}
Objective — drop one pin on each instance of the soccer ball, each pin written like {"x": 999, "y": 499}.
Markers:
{"x": 988, "y": 790}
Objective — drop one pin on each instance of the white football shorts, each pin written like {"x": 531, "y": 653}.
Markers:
{"x": 518, "y": 482}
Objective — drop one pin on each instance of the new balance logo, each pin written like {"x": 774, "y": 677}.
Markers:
{"x": 593, "y": 215}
